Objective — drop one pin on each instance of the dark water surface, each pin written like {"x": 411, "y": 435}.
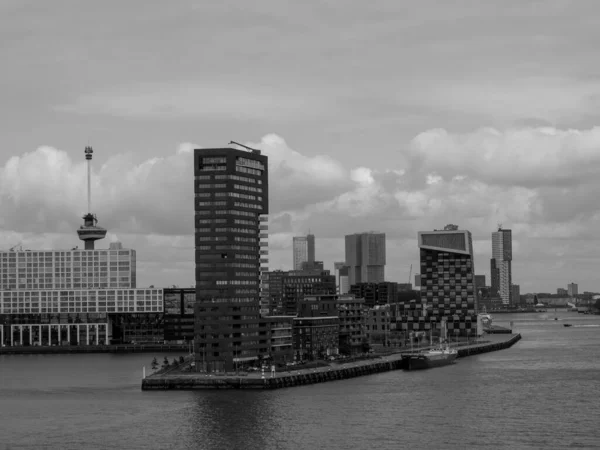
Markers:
{"x": 542, "y": 393}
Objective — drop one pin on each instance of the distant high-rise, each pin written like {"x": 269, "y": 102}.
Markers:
{"x": 304, "y": 250}
{"x": 341, "y": 274}
{"x": 516, "y": 294}
{"x": 479, "y": 281}
{"x": 572, "y": 290}
{"x": 500, "y": 265}
{"x": 365, "y": 257}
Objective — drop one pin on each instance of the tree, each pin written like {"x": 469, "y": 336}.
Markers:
{"x": 175, "y": 362}
{"x": 165, "y": 362}
{"x": 181, "y": 360}
{"x": 597, "y": 304}
{"x": 154, "y": 364}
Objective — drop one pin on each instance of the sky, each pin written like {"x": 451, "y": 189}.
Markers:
{"x": 387, "y": 116}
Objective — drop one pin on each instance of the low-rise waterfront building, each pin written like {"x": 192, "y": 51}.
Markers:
{"x": 281, "y": 336}
{"x": 315, "y": 337}
{"x": 378, "y": 325}
{"x": 352, "y": 315}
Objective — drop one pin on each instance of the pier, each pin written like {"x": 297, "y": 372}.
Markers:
{"x": 333, "y": 371}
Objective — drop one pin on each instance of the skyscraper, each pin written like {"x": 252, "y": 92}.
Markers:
{"x": 500, "y": 265}
{"x": 231, "y": 205}
{"x": 304, "y": 250}
{"x": 365, "y": 257}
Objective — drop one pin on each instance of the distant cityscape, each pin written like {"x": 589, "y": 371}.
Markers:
{"x": 242, "y": 313}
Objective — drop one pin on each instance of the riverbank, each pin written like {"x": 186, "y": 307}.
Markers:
{"x": 65, "y": 349}
{"x": 331, "y": 372}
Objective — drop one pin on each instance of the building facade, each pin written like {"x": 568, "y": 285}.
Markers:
{"x": 572, "y": 290}
{"x": 447, "y": 285}
{"x": 479, "y": 281}
{"x": 76, "y": 297}
{"x": 341, "y": 275}
{"x": 179, "y": 314}
{"x": 112, "y": 268}
{"x": 365, "y": 257}
{"x": 352, "y": 313}
{"x": 501, "y": 264}
{"x": 376, "y": 293}
{"x": 304, "y": 250}
{"x": 515, "y": 294}
{"x": 378, "y": 325}
{"x": 315, "y": 337}
{"x": 298, "y": 284}
{"x": 231, "y": 207}
{"x": 281, "y": 340}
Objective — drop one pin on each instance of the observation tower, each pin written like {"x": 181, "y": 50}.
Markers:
{"x": 89, "y": 232}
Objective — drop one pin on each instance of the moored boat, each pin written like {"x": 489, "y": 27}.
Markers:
{"x": 437, "y": 357}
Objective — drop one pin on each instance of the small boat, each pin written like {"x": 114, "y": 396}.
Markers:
{"x": 437, "y": 357}
{"x": 567, "y": 325}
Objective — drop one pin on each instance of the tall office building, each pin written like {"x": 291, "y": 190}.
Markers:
{"x": 447, "y": 284}
{"x": 341, "y": 275}
{"x": 365, "y": 257}
{"x": 500, "y": 265}
{"x": 304, "y": 250}
{"x": 572, "y": 290}
{"x": 231, "y": 207}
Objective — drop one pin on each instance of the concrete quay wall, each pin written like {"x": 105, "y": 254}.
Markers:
{"x": 301, "y": 377}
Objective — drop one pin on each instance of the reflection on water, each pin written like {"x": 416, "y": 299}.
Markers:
{"x": 542, "y": 393}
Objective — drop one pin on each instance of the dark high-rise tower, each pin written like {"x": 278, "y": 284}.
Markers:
{"x": 89, "y": 232}
{"x": 500, "y": 265}
{"x": 365, "y": 257}
{"x": 231, "y": 205}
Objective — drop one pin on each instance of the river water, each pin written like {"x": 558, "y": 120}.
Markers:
{"x": 544, "y": 392}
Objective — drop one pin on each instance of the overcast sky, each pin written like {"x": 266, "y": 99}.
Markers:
{"x": 391, "y": 116}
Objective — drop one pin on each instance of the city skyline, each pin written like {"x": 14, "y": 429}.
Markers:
{"x": 458, "y": 130}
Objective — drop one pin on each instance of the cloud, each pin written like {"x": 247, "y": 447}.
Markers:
{"x": 538, "y": 181}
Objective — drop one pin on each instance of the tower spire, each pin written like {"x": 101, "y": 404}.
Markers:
{"x": 89, "y": 232}
{"x": 88, "y": 157}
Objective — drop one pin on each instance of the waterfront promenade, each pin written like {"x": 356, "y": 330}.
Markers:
{"x": 336, "y": 370}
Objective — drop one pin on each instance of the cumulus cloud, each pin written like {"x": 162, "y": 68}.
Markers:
{"x": 538, "y": 181}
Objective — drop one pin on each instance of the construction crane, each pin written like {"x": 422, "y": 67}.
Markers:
{"x": 410, "y": 274}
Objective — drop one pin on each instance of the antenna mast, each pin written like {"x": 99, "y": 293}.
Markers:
{"x": 88, "y": 158}
{"x": 245, "y": 146}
